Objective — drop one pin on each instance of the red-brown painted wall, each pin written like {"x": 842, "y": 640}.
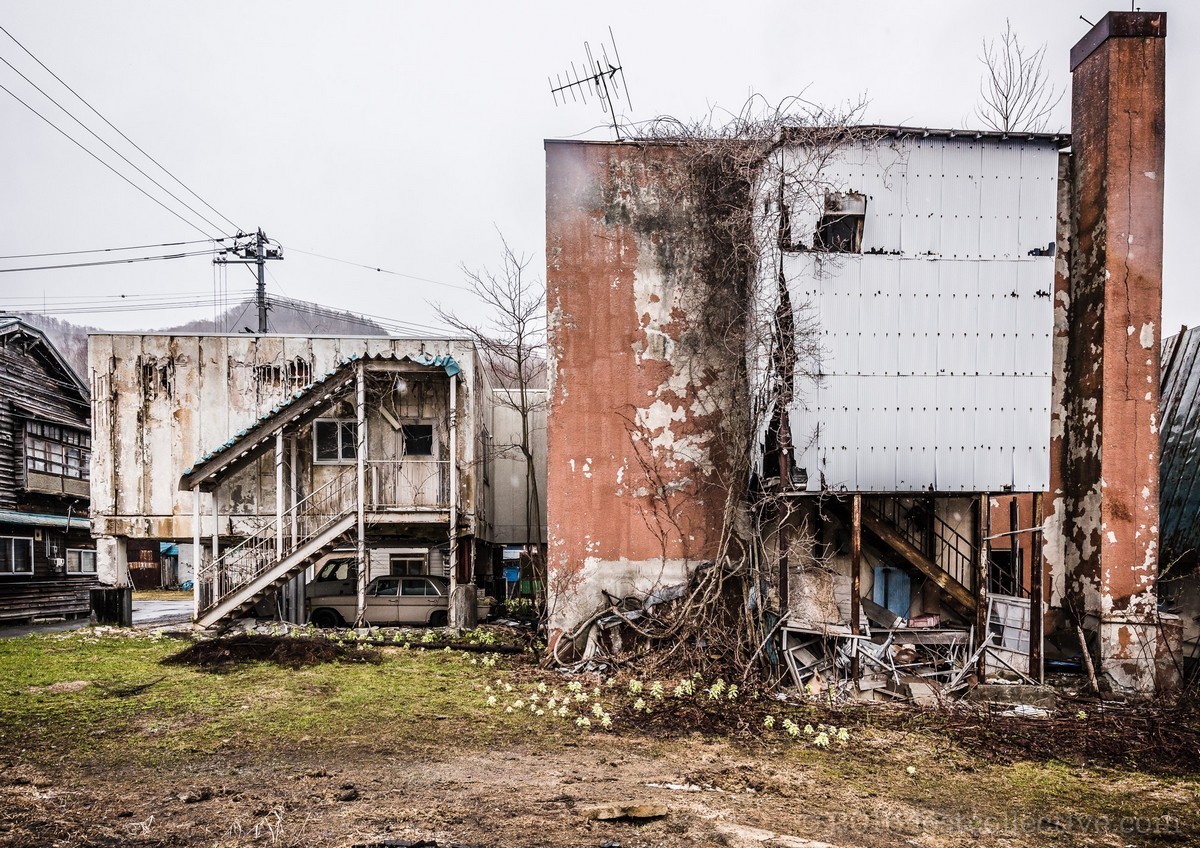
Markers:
{"x": 634, "y": 477}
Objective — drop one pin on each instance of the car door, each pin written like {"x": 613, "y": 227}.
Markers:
{"x": 416, "y": 602}
{"x": 383, "y": 601}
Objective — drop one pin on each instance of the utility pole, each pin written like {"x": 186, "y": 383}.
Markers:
{"x": 260, "y": 242}
{"x": 254, "y": 250}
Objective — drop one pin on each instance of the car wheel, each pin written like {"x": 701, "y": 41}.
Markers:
{"x": 438, "y": 619}
{"x": 326, "y": 618}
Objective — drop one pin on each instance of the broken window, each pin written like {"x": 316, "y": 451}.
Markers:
{"x": 61, "y": 451}
{"x": 840, "y": 229}
{"x": 418, "y": 439}
{"x": 336, "y": 440}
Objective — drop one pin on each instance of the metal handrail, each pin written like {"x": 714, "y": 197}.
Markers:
{"x": 922, "y": 528}
{"x": 245, "y": 561}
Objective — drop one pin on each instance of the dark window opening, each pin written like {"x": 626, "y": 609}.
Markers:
{"x": 335, "y": 440}
{"x": 1004, "y": 574}
{"x": 418, "y": 440}
{"x": 406, "y": 565}
{"x": 840, "y": 229}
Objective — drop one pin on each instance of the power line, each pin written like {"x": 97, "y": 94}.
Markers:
{"x": 124, "y": 158}
{"x": 111, "y": 249}
{"x": 373, "y": 268}
{"x": 118, "y": 132}
{"x": 109, "y": 261}
{"x": 102, "y": 162}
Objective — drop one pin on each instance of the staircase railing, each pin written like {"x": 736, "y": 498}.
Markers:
{"x": 921, "y": 527}
{"x": 249, "y": 558}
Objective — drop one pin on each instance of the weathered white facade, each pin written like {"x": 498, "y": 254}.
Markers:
{"x": 935, "y": 329}
{"x": 165, "y": 404}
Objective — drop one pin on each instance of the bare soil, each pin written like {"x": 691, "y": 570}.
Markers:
{"x": 535, "y": 795}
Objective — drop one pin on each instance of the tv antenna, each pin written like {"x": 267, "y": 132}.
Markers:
{"x": 599, "y": 75}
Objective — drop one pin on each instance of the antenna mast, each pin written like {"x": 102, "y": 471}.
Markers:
{"x": 599, "y": 75}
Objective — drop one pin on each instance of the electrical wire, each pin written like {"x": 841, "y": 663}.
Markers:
{"x": 373, "y": 268}
{"x": 113, "y": 249}
{"x": 110, "y": 261}
{"x": 124, "y": 158}
{"x": 162, "y": 167}
{"x": 102, "y": 162}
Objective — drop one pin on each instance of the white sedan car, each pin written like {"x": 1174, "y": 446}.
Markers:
{"x": 390, "y": 601}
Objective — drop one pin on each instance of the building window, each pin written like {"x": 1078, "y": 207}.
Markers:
{"x": 16, "y": 555}
{"x": 418, "y": 440}
{"x": 840, "y": 229}
{"x": 81, "y": 561}
{"x": 406, "y": 565}
{"x": 335, "y": 440}
{"x": 61, "y": 451}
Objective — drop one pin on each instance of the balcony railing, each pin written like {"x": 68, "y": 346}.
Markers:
{"x": 408, "y": 483}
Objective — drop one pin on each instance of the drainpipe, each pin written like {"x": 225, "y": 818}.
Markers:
{"x": 279, "y": 494}
{"x": 453, "y": 495}
{"x": 360, "y": 381}
{"x": 216, "y": 544}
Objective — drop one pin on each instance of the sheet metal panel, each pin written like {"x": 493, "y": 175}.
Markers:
{"x": 1179, "y": 438}
{"x": 916, "y": 421}
{"x": 1039, "y": 197}
{"x": 1031, "y": 455}
{"x": 884, "y": 179}
{"x": 955, "y": 434}
{"x": 957, "y": 318}
{"x": 920, "y": 225}
{"x": 1033, "y": 317}
{"x": 936, "y": 367}
{"x": 917, "y": 317}
{"x": 878, "y": 408}
{"x": 961, "y": 165}
{"x": 878, "y": 331}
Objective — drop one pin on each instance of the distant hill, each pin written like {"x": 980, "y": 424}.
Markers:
{"x": 286, "y": 316}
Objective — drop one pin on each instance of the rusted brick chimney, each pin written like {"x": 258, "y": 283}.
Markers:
{"x": 1112, "y": 369}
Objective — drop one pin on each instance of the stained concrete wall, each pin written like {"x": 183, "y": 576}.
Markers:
{"x": 160, "y": 402}
{"x": 509, "y": 486}
{"x": 638, "y": 398}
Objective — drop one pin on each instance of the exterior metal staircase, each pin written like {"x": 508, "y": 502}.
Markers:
{"x": 277, "y": 551}
{"x": 925, "y": 543}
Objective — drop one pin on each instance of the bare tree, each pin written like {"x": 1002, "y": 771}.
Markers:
{"x": 1015, "y": 93}
{"x": 512, "y": 341}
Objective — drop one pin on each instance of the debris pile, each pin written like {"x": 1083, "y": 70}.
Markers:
{"x": 295, "y": 652}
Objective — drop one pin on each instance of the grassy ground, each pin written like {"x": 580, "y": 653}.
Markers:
{"x": 101, "y": 744}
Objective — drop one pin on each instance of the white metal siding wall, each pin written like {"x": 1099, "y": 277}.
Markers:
{"x": 935, "y": 373}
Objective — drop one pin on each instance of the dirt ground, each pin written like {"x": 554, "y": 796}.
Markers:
{"x": 715, "y": 793}
{"x": 404, "y": 750}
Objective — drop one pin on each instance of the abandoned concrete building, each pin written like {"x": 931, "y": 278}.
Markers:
{"x": 941, "y": 328}
{"x": 268, "y": 454}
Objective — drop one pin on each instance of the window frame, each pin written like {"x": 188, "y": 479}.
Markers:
{"x": 404, "y": 437}
{"x": 11, "y": 542}
{"x": 341, "y": 424}
{"x": 79, "y": 552}
{"x": 61, "y": 451}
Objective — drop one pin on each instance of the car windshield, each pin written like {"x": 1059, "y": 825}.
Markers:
{"x": 337, "y": 569}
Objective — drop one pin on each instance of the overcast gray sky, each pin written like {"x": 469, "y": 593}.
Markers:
{"x": 396, "y": 134}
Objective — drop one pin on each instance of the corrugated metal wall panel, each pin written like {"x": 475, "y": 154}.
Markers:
{"x": 1039, "y": 177}
{"x": 961, "y": 164}
{"x": 937, "y": 366}
{"x": 955, "y": 435}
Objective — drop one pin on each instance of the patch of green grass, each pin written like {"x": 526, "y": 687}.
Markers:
{"x": 412, "y": 698}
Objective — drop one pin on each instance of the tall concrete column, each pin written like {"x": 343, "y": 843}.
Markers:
{"x": 1112, "y": 461}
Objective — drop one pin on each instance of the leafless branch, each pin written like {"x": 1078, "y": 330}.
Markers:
{"x": 1015, "y": 93}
